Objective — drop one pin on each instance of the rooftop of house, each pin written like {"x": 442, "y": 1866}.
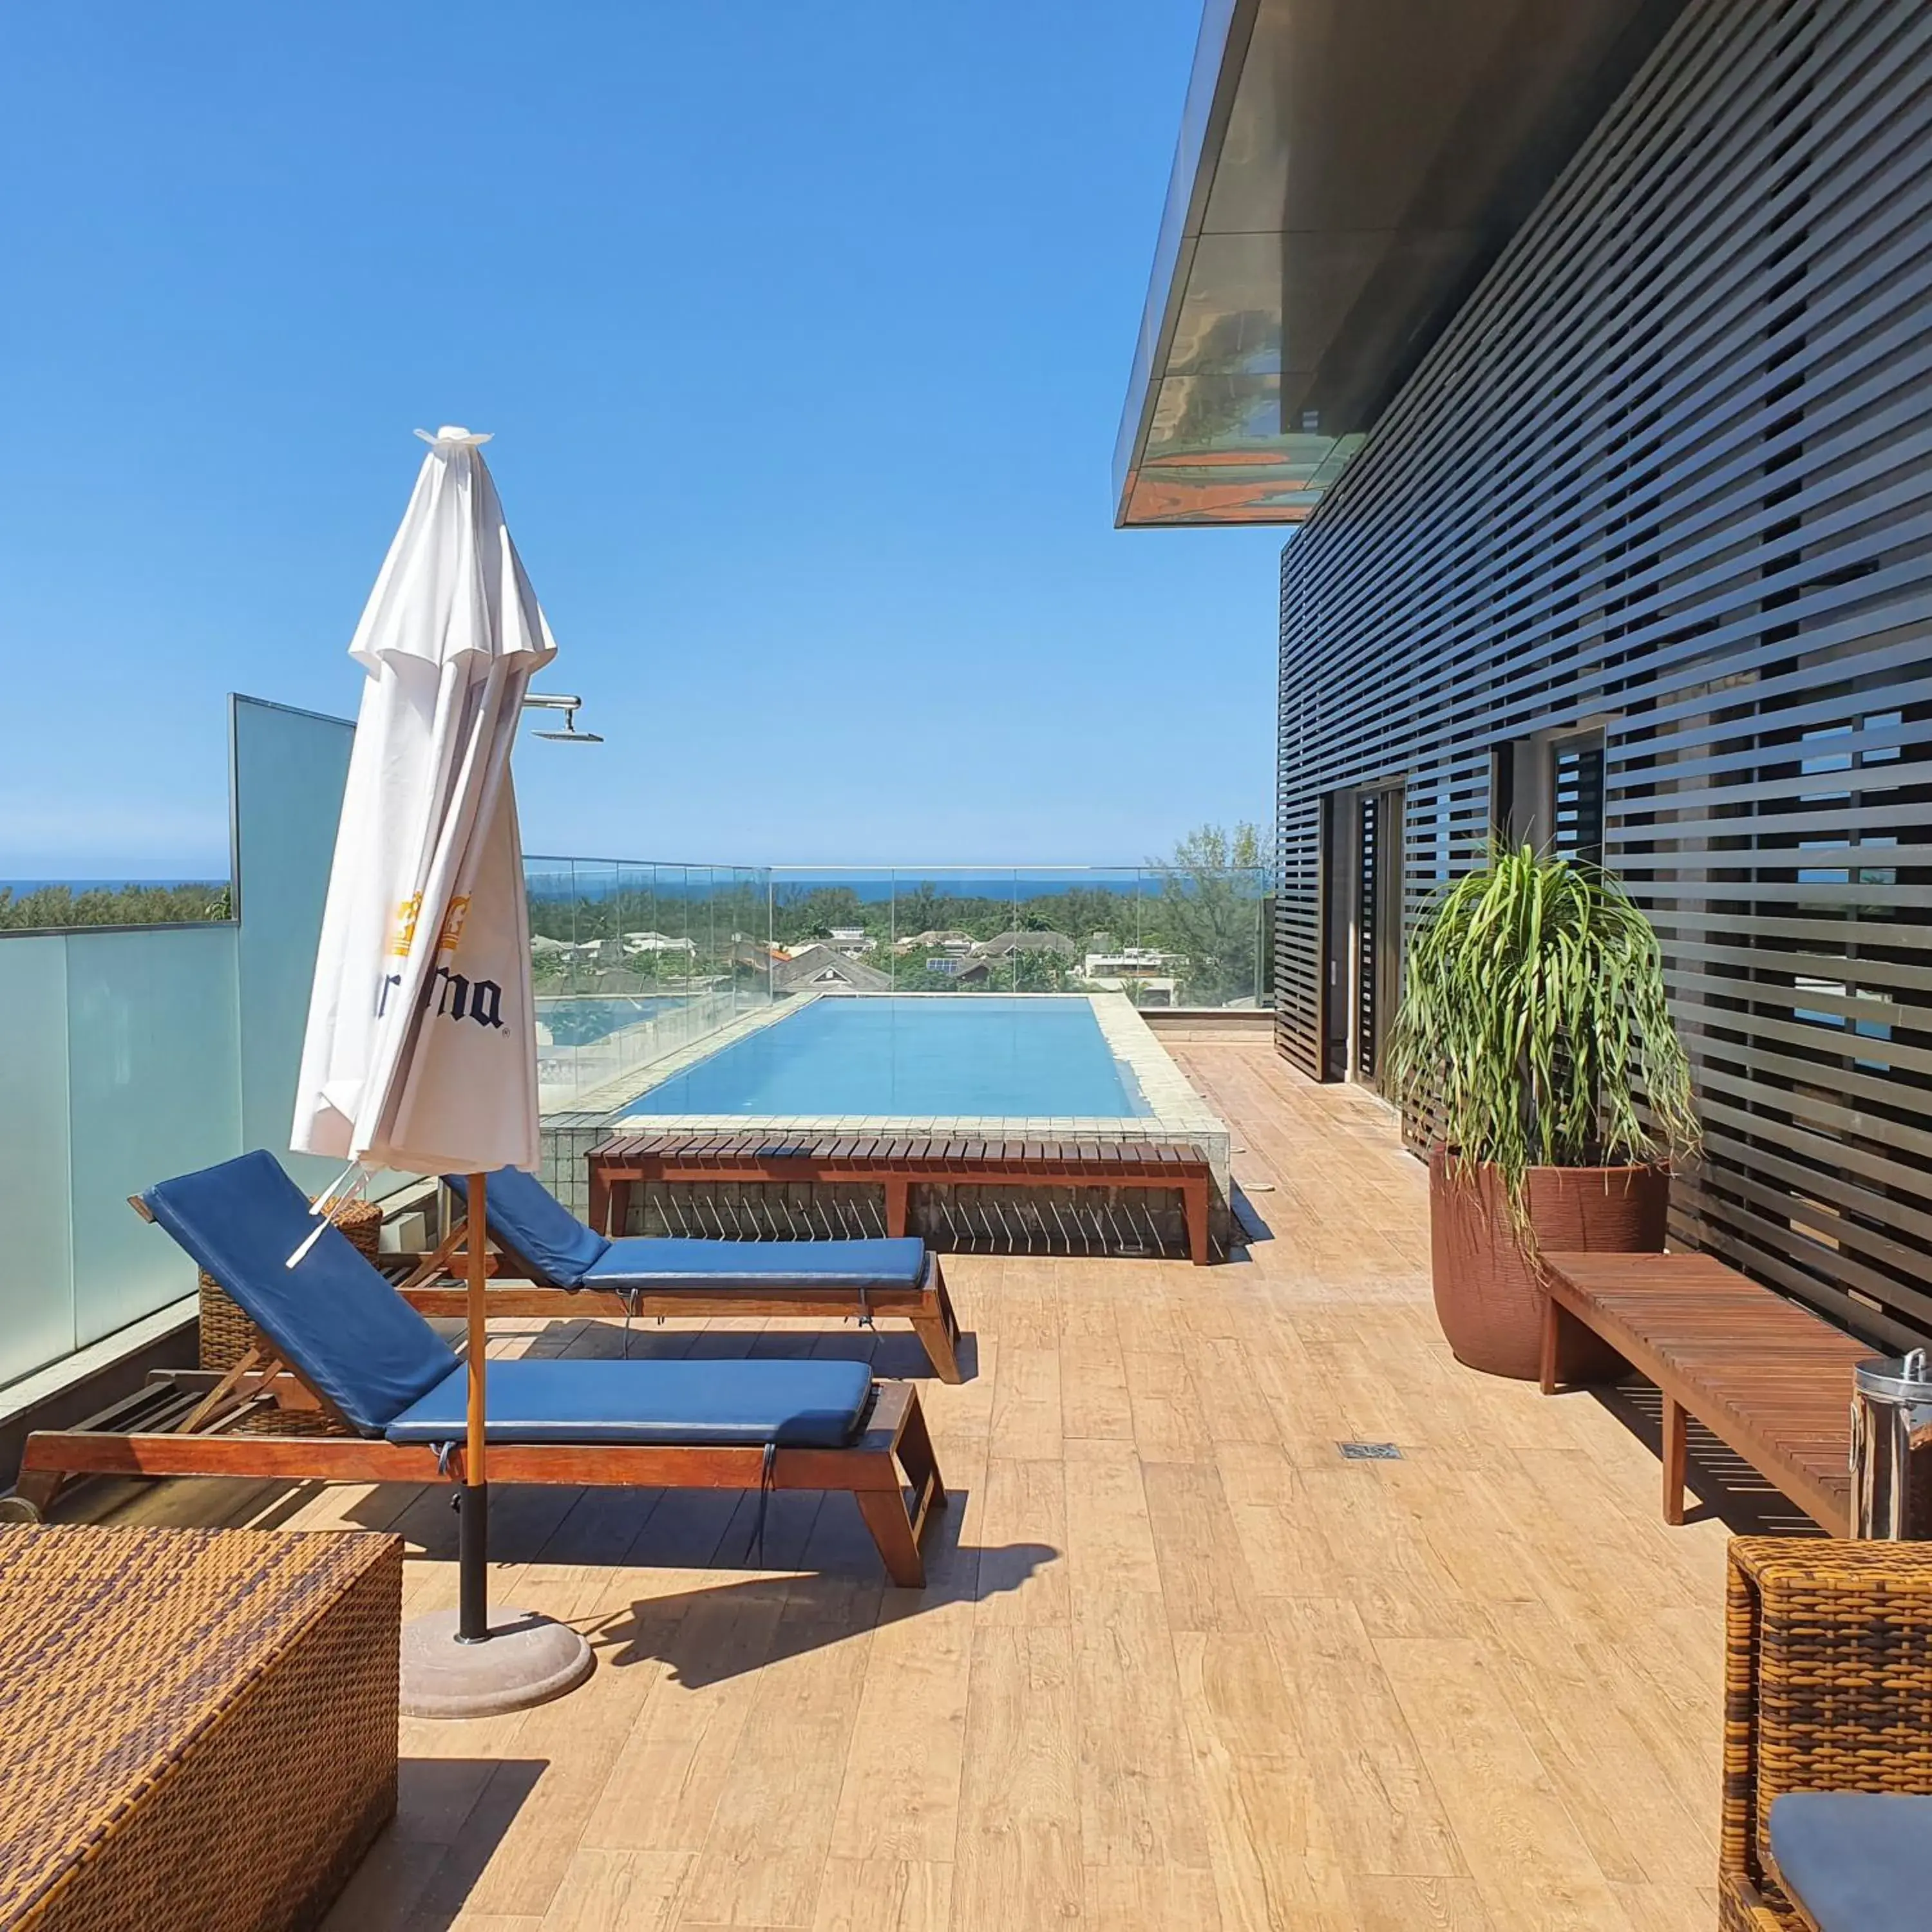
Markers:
{"x": 1179, "y": 1663}
{"x": 823, "y": 964}
{"x": 1027, "y": 941}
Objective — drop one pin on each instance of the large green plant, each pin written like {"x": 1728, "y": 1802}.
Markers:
{"x": 1534, "y": 1015}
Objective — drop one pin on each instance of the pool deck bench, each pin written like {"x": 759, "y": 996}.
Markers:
{"x": 1768, "y": 1379}
{"x": 900, "y": 1162}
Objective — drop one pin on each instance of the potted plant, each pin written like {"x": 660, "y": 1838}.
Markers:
{"x": 1534, "y": 1049}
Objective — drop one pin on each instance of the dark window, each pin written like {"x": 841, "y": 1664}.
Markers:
{"x": 1576, "y": 798}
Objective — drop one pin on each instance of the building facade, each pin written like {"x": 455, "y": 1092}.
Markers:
{"x": 1634, "y": 562}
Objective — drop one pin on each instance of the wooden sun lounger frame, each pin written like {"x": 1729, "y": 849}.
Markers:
{"x": 186, "y": 1423}
{"x": 436, "y": 1287}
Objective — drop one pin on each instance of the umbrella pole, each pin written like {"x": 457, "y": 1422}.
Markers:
{"x": 456, "y": 1666}
{"x": 473, "y": 1528}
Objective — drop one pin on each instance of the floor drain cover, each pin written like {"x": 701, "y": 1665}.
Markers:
{"x": 1369, "y": 1452}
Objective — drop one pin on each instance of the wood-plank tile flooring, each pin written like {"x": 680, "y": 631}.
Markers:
{"x": 1180, "y": 1665}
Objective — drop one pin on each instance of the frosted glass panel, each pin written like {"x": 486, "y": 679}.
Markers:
{"x": 290, "y": 769}
{"x": 153, "y": 1091}
{"x": 36, "y": 1259}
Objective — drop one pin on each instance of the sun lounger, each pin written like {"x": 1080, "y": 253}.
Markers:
{"x": 572, "y": 1270}
{"x": 344, "y": 1348}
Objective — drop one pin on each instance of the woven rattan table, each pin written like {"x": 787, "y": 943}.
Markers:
{"x": 197, "y": 1727}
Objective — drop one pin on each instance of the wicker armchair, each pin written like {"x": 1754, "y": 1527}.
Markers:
{"x": 1828, "y": 1687}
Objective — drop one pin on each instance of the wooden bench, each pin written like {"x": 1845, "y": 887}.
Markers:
{"x": 1771, "y": 1380}
{"x": 900, "y": 1161}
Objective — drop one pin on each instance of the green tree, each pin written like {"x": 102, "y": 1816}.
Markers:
{"x": 1212, "y": 909}
{"x": 48, "y": 907}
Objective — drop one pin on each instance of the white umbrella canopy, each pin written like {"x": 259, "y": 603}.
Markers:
{"x": 420, "y": 1052}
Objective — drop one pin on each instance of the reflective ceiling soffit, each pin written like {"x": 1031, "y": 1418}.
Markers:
{"x": 1345, "y": 175}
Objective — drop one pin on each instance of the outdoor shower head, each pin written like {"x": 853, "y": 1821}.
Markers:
{"x": 556, "y": 701}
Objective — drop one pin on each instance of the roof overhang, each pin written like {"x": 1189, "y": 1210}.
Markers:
{"x": 1347, "y": 170}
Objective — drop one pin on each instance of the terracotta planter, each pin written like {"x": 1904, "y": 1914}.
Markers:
{"x": 1487, "y": 1297}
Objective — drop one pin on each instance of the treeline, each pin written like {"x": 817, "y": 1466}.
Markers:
{"x": 708, "y": 918}
{"x": 45, "y": 907}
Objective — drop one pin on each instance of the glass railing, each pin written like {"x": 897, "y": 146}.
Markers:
{"x": 636, "y": 962}
{"x": 1165, "y": 936}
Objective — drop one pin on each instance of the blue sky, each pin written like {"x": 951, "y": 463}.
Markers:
{"x": 802, "y": 332}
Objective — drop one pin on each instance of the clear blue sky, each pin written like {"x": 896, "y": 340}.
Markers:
{"x": 803, "y": 332}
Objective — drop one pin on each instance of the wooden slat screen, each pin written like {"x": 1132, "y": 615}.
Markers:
{"x": 1667, "y": 474}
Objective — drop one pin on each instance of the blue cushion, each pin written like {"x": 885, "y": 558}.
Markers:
{"x": 332, "y": 1316}
{"x": 1856, "y": 1862}
{"x": 818, "y": 1404}
{"x": 524, "y": 1215}
{"x": 650, "y": 1262}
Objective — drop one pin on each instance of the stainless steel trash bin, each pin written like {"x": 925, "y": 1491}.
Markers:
{"x": 1891, "y": 1449}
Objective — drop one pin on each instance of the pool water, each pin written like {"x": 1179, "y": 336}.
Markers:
{"x": 930, "y": 1055}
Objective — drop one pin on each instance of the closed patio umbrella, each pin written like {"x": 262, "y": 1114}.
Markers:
{"x": 421, "y": 1051}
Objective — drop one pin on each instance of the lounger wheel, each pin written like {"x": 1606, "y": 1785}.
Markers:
{"x": 20, "y": 1509}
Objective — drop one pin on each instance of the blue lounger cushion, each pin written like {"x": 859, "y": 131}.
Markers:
{"x": 332, "y": 1316}
{"x": 526, "y": 1216}
{"x": 1856, "y": 1862}
{"x": 818, "y": 1405}
{"x": 647, "y": 1261}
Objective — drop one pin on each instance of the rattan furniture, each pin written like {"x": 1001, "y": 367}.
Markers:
{"x": 197, "y": 1727}
{"x": 1828, "y": 1687}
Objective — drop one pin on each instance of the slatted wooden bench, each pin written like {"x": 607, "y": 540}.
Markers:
{"x": 900, "y": 1161}
{"x": 1769, "y": 1379}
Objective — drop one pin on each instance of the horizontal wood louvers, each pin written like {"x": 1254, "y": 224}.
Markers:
{"x": 1666, "y": 476}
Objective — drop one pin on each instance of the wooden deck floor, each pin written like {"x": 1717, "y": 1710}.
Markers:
{"x": 1182, "y": 1665}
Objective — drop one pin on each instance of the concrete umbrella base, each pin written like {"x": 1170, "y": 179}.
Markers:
{"x": 528, "y": 1659}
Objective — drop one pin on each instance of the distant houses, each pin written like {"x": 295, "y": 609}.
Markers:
{"x": 627, "y": 946}
{"x": 935, "y": 941}
{"x": 839, "y": 962}
{"x": 1148, "y": 972}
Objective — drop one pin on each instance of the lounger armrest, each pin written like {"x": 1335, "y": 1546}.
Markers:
{"x": 1828, "y": 1679}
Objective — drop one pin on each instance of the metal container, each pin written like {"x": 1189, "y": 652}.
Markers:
{"x": 1891, "y": 1449}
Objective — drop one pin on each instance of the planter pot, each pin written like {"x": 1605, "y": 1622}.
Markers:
{"x": 1488, "y": 1298}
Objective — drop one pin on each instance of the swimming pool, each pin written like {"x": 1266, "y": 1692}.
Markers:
{"x": 917, "y": 1056}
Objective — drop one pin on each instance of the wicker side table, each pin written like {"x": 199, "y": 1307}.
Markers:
{"x": 227, "y": 1334}
{"x": 197, "y": 1727}
{"x": 1828, "y": 1687}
